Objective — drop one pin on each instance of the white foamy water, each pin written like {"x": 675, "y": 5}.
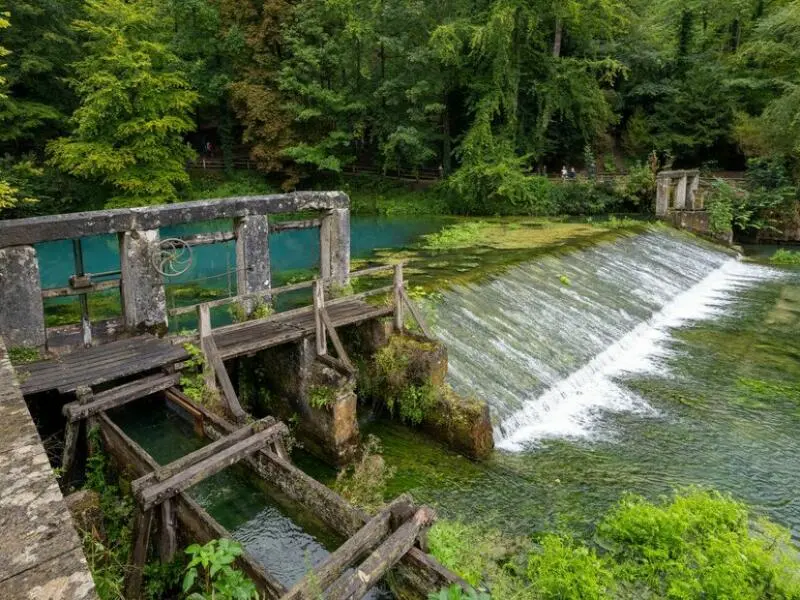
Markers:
{"x": 545, "y": 355}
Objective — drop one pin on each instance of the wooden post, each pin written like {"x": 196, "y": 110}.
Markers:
{"x": 416, "y": 314}
{"x": 141, "y": 538}
{"x": 319, "y": 306}
{"x": 168, "y": 539}
{"x": 71, "y": 434}
{"x": 398, "y": 297}
{"x": 204, "y": 329}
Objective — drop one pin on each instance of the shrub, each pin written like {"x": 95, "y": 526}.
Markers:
{"x": 210, "y": 575}
{"x": 321, "y": 396}
{"x": 786, "y": 257}
{"x": 456, "y": 592}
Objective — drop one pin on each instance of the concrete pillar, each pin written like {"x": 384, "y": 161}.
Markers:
{"x": 21, "y": 308}
{"x": 662, "y": 196}
{"x": 252, "y": 255}
{"x": 680, "y": 193}
{"x": 695, "y": 202}
{"x": 144, "y": 301}
{"x": 335, "y": 246}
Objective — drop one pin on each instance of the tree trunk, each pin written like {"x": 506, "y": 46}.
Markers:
{"x": 557, "y": 37}
{"x": 447, "y": 149}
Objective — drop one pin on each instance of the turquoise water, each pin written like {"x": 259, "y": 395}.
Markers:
{"x": 289, "y": 250}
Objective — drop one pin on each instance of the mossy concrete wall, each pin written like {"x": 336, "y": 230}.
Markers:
{"x": 287, "y": 381}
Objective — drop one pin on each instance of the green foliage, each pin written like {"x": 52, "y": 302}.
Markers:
{"x": 210, "y": 573}
{"x": 415, "y": 402}
{"x": 564, "y": 280}
{"x": 564, "y": 570}
{"x": 725, "y": 208}
{"x": 364, "y": 483}
{"x": 321, "y": 396}
{"x": 21, "y": 356}
{"x": 192, "y": 380}
{"x": 781, "y": 257}
{"x": 136, "y": 106}
{"x": 696, "y": 545}
{"x": 108, "y": 552}
{"x": 241, "y": 312}
{"x": 456, "y": 592}
{"x": 459, "y": 235}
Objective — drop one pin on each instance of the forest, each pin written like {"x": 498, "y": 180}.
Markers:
{"x": 105, "y": 102}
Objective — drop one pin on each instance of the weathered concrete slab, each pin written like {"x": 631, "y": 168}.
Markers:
{"x": 21, "y": 310}
{"x": 16, "y": 232}
{"x": 335, "y": 246}
{"x": 65, "y": 577}
{"x": 41, "y": 553}
{"x": 252, "y": 255}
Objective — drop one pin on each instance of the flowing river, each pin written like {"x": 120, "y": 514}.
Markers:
{"x": 638, "y": 364}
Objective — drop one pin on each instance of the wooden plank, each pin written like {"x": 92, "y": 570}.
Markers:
{"x": 416, "y": 314}
{"x": 369, "y": 536}
{"x": 355, "y": 585}
{"x": 335, "y": 363}
{"x": 218, "y": 368}
{"x": 141, "y": 535}
{"x": 157, "y": 493}
{"x": 208, "y": 451}
{"x": 290, "y": 225}
{"x": 119, "y": 396}
{"x": 204, "y": 239}
{"x": 90, "y": 289}
{"x": 337, "y": 343}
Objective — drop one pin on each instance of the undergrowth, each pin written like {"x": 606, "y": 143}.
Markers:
{"x": 695, "y": 545}
{"x": 363, "y": 483}
{"x": 192, "y": 380}
{"x": 321, "y": 396}
{"x": 786, "y": 257}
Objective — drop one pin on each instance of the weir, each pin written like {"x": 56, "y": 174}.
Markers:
{"x": 97, "y": 368}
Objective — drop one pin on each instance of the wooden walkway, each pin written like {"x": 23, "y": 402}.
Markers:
{"x": 134, "y": 356}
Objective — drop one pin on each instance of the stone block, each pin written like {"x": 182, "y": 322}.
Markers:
{"x": 335, "y": 246}
{"x": 21, "y": 308}
{"x": 252, "y": 254}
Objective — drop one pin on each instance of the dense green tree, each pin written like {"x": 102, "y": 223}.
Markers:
{"x": 41, "y": 48}
{"x": 135, "y": 107}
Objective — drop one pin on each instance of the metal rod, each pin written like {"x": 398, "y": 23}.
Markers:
{"x": 86, "y": 325}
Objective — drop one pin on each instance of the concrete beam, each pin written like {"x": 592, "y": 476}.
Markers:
{"x": 681, "y": 192}
{"x": 335, "y": 246}
{"x": 21, "y": 309}
{"x": 252, "y": 255}
{"x": 17, "y": 232}
{"x": 144, "y": 301}
{"x": 662, "y": 197}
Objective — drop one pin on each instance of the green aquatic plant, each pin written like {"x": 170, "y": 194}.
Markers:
{"x": 459, "y": 235}
{"x": 364, "y": 482}
{"x": 695, "y": 545}
{"x": 785, "y": 257}
{"x": 564, "y": 280}
{"x": 210, "y": 575}
{"x": 241, "y": 312}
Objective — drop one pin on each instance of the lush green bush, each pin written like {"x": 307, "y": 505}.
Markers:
{"x": 697, "y": 545}
{"x": 786, "y": 257}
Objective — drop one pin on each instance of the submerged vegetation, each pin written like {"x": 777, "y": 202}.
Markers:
{"x": 695, "y": 545}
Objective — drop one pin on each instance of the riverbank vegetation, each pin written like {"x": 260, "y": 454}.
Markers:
{"x": 694, "y": 545}
{"x": 484, "y": 96}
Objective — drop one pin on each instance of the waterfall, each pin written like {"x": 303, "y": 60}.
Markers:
{"x": 545, "y": 342}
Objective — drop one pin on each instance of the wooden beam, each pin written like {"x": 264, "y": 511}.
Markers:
{"x": 289, "y": 225}
{"x": 415, "y": 312}
{"x": 71, "y": 434}
{"x": 142, "y": 524}
{"x": 119, "y": 396}
{"x": 319, "y": 305}
{"x": 165, "y": 472}
{"x": 355, "y": 585}
{"x": 204, "y": 239}
{"x": 163, "y": 490}
{"x": 218, "y": 368}
{"x": 398, "y": 300}
{"x": 90, "y": 289}
{"x": 335, "y": 363}
{"x": 168, "y": 535}
{"x": 337, "y": 343}
{"x": 369, "y": 536}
